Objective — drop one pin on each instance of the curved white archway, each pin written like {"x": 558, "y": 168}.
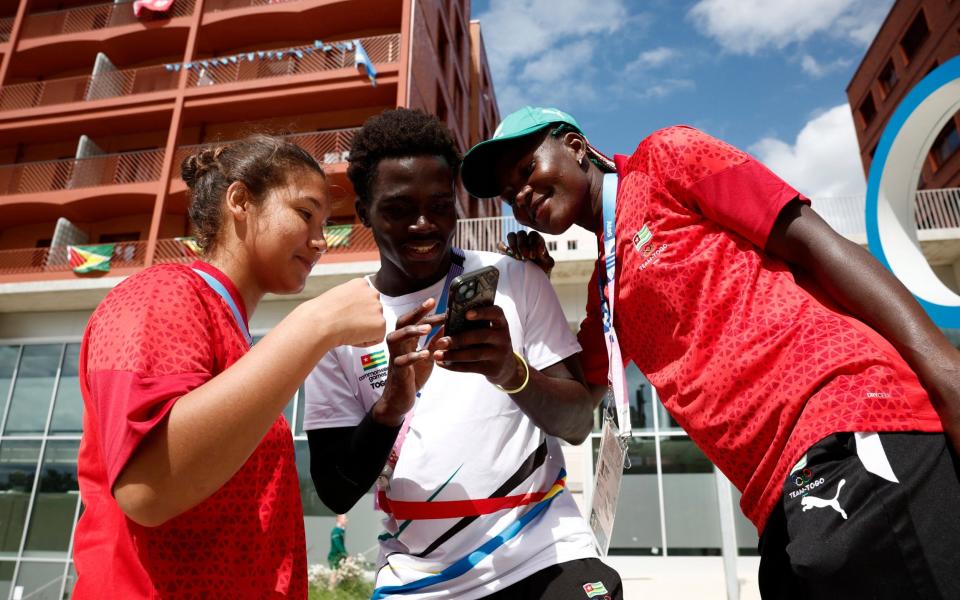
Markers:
{"x": 891, "y": 228}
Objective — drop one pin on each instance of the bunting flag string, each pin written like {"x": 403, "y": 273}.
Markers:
{"x": 360, "y": 57}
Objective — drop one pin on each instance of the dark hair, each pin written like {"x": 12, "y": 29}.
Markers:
{"x": 397, "y": 133}
{"x": 603, "y": 162}
{"x": 258, "y": 161}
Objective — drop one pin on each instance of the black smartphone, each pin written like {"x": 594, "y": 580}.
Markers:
{"x": 475, "y": 289}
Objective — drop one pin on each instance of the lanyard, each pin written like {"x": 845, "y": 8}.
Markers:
{"x": 220, "y": 289}
{"x": 616, "y": 375}
{"x": 456, "y": 269}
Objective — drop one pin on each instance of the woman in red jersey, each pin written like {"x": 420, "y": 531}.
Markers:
{"x": 186, "y": 465}
{"x": 803, "y": 369}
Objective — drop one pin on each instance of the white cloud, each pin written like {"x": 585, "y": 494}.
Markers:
{"x": 652, "y": 58}
{"x": 556, "y": 65}
{"x": 543, "y": 51}
{"x": 748, "y": 26}
{"x": 518, "y": 30}
{"x": 816, "y": 69}
{"x": 823, "y": 161}
{"x": 666, "y": 87}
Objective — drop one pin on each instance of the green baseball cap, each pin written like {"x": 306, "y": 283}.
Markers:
{"x": 476, "y": 171}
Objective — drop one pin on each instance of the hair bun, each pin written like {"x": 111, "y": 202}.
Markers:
{"x": 195, "y": 166}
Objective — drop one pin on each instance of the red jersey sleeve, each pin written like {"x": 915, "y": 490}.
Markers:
{"x": 147, "y": 344}
{"x": 727, "y": 185}
{"x": 593, "y": 356}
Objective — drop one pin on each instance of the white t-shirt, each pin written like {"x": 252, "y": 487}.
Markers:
{"x": 467, "y": 440}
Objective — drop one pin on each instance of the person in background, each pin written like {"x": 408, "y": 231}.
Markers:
{"x": 186, "y": 465}
{"x": 802, "y": 368}
{"x": 338, "y": 548}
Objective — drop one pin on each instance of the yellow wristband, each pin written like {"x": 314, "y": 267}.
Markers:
{"x": 526, "y": 376}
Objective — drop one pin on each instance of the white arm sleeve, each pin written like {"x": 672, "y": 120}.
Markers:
{"x": 329, "y": 398}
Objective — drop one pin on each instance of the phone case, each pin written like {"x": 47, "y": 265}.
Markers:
{"x": 470, "y": 290}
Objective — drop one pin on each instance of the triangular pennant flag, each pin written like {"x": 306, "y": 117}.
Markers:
{"x": 261, "y": 54}
{"x": 188, "y": 66}
{"x": 84, "y": 259}
{"x": 250, "y": 56}
{"x": 298, "y": 53}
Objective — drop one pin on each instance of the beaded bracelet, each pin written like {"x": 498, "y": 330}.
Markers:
{"x": 526, "y": 376}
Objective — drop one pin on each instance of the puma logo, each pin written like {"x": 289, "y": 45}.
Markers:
{"x": 808, "y": 502}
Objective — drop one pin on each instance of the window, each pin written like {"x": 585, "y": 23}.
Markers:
{"x": 571, "y": 244}
{"x": 946, "y": 144}
{"x": 552, "y": 246}
{"x": 888, "y": 78}
{"x": 442, "y": 47}
{"x": 441, "y": 105}
{"x": 868, "y": 110}
{"x": 916, "y": 35}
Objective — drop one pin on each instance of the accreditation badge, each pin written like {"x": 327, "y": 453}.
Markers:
{"x": 606, "y": 487}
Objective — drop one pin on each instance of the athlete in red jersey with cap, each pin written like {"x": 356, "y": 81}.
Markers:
{"x": 799, "y": 365}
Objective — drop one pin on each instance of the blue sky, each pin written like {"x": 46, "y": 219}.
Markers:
{"x": 768, "y": 76}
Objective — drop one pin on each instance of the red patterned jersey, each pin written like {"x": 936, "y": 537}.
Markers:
{"x": 755, "y": 365}
{"x": 155, "y": 337}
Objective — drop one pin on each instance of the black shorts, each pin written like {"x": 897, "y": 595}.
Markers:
{"x": 573, "y": 580}
{"x": 845, "y": 529}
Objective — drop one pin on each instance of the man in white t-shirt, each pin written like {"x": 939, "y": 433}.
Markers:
{"x": 466, "y": 456}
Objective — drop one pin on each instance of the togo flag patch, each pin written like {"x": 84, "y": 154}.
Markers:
{"x": 595, "y": 589}
{"x": 642, "y": 238}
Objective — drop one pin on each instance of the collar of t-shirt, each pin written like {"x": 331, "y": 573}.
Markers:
{"x": 225, "y": 281}
{"x": 399, "y": 302}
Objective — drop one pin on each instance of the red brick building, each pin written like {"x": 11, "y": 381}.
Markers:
{"x": 98, "y": 107}
{"x": 916, "y": 37}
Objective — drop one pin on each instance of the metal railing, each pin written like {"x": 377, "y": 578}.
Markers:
{"x": 111, "y": 84}
{"x": 342, "y": 242}
{"x": 55, "y": 260}
{"x": 484, "y": 233}
{"x": 293, "y": 61}
{"x": 6, "y": 28}
{"x": 938, "y": 209}
{"x": 933, "y": 209}
{"x": 74, "y": 173}
{"x": 96, "y": 16}
{"x": 218, "y": 5}
{"x": 328, "y": 147}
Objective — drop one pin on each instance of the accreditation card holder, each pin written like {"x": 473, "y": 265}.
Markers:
{"x": 611, "y": 462}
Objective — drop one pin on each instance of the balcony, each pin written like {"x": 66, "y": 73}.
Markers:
{"x": 290, "y": 61}
{"x": 74, "y": 173}
{"x": 936, "y": 214}
{"x": 87, "y": 88}
{"x": 93, "y": 17}
{"x": 6, "y": 28}
{"x": 346, "y": 243}
{"x": 218, "y": 5}
{"x": 328, "y": 147}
